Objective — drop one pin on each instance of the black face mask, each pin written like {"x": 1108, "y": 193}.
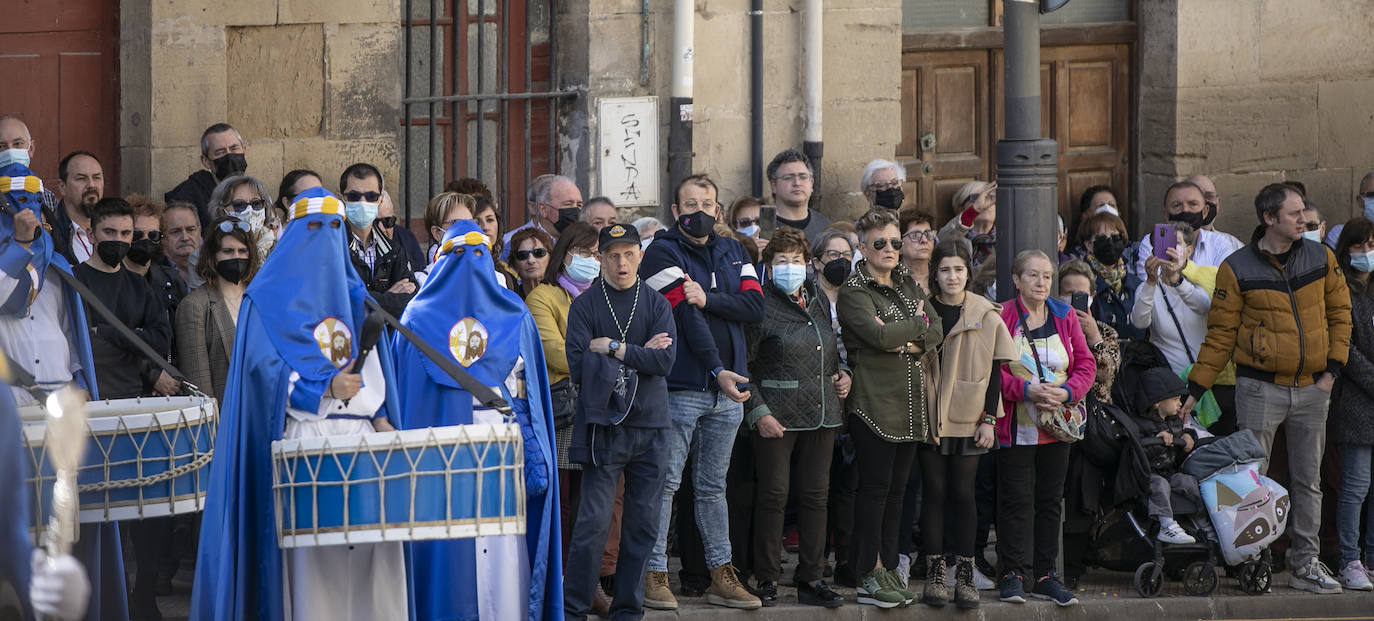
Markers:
{"x": 142, "y": 251}
{"x": 890, "y": 198}
{"x": 111, "y": 251}
{"x": 566, "y": 216}
{"x": 1107, "y": 250}
{"x": 697, "y": 223}
{"x": 836, "y": 271}
{"x": 232, "y": 270}
{"x": 230, "y": 164}
{"x": 1196, "y": 219}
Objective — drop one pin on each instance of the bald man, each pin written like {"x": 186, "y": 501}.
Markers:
{"x": 1209, "y": 194}
{"x": 17, "y": 145}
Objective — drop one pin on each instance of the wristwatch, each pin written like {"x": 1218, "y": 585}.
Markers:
{"x": 612, "y": 348}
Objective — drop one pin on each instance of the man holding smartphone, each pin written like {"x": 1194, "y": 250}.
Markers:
{"x": 1185, "y": 202}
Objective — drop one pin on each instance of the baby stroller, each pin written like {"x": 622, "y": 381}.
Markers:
{"x": 1240, "y": 514}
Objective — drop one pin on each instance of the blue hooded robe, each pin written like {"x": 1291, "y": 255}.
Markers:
{"x": 15, "y": 545}
{"x": 307, "y": 278}
{"x": 98, "y": 547}
{"x": 462, "y": 287}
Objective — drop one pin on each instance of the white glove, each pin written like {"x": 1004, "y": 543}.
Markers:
{"x": 59, "y": 589}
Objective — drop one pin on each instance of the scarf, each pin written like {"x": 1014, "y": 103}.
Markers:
{"x": 1114, "y": 275}
{"x": 574, "y": 288}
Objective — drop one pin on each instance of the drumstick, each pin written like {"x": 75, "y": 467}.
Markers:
{"x": 65, "y": 440}
{"x": 371, "y": 333}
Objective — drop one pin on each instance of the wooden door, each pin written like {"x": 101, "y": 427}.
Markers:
{"x": 61, "y": 66}
{"x": 946, "y": 140}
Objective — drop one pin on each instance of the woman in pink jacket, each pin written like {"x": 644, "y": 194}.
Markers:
{"x": 1055, "y": 369}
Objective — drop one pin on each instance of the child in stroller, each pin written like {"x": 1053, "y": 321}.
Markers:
{"x": 1165, "y": 441}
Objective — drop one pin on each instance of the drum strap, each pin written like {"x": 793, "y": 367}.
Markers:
{"x": 488, "y": 397}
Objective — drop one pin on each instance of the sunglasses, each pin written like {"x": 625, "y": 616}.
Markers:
{"x": 370, "y": 197}
{"x": 1311, "y": 226}
{"x": 524, "y": 255}
{"x": 239, "y": 205}
{"x": 228, "y": 226}
{"x": 387, "y": 221}
{"x": 743, "y": 222}
{"x": 879, "y": 244}
{"x": 154, "y": 236}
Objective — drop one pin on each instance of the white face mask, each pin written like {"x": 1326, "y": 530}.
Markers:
{"x": 1315, "y": 236}
{"x": 14, "y": 156}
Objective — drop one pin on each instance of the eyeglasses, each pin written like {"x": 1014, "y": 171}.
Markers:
{"x": 793, "y": 178}
{"x": 154, "y": 236}
{"x": 228, "y": 226}
{"x": 524, "y": 255}
{"x": 387, "y": 222}
{"x": 699, "y": 205}
{"x": 879, "y": 244}
{"x": 743, "y": 222}
{"x": 239, "y": 204}
{"x": 583, "y": 252}
{"x": 371, "y": 197}
{"x": 1313, "y": 226}
{"x": 920, "y": 236}
{"x": 831, "y": 255}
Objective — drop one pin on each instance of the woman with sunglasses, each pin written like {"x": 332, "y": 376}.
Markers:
{"x": 743, "y": 217}
{"x": 1110, "y": 253}
{"x": 206, "y": 318}
{"x": 247, "y": 199}
{"x": 888, "y": 327}
{"x": 918, "y": 241}
{"x": 529, "y": 257}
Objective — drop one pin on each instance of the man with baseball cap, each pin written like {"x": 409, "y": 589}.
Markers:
{"x": 620, "y": 345}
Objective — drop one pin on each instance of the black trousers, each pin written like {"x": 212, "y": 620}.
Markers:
{"x": 985, "y": 499}
{"x": 844, "y": 482}
{"x": 883, "y": 470}
{"x": 773, "y": 459}
{"x": 1030, "y": 493}
{"x": 691, "y": 550}
{"x": 948, "y": 515}
{"x": 911, "y": 511}
{"x": 1226, "y": 399}
{"x": 636, "y": 453}
{"x": 740, "y": 486}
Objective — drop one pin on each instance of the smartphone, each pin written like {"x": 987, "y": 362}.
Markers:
{"x": 768, "y": 221}
{"x": 1162, "y": 239}
{"x": 1079, "y": 301}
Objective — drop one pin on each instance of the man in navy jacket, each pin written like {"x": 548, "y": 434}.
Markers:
{"x": 714, "y": 291}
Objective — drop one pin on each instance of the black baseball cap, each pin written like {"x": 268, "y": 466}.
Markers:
{"x": 615, "y": 234}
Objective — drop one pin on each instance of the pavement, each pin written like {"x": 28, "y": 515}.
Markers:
{"x": 1102, "y": 595}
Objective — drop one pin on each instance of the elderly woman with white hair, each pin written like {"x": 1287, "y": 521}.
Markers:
{"x": 882, "y": 184}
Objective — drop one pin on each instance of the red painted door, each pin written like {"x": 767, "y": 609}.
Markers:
{"x": 59, "y": 63}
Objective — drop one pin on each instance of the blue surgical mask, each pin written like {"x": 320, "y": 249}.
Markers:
{"x": 14, "y": 156}
{"x": 1369, "y": 208}
{"x": 789, "y": 277}
{"x": 1315, "y": 236}
{"x": 749, "y": 231}
{"x": 360, "y": 214}
{"x": 1362, "y": 261}
{"x": 583, "y": 269}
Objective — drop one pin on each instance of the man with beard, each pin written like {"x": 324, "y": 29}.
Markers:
{"x": 82, "y": 185}
{"x": 222, "y": 155}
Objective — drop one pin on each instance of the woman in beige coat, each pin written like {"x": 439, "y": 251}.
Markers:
{"x": 964, "y": 394}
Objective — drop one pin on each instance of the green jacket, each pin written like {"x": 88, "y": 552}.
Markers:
{"x": 793, "y": 358}
{"x": 889, "y": 390}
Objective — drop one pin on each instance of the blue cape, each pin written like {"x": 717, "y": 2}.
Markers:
{"x": 462, "y": 285}
{"x": 15, "y": 545}
{"x": 307, "y": 278}
{"x": 98, "y": 547}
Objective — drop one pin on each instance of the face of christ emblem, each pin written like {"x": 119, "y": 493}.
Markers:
{"x": 335, "y": 341}
{"x": 467, "y": 341}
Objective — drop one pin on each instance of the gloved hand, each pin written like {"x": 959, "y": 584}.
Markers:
{"x": 536, "y": 465}
{"x": 59, "y": 589}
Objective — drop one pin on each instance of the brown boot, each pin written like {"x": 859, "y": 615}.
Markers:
{"x": 965, "y": 592}
{"x": 726, "y": 590}
{"x": 601, "y": 603}
{"x": 657, "y": 595}
{"x": 936, "y": 593}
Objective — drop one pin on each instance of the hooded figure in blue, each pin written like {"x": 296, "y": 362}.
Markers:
{"x": 293, "y": 348}
{"x": 42, "y": 319}
{"x": 463, "y": 311}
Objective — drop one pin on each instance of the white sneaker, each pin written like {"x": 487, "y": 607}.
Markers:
{"x": 1355, "y": 577}
{"x": 904, "y": 568}
{"x": 983, "y": 583}
{"x": 1174, "y": 533}
{"x": 1314, "y": 576}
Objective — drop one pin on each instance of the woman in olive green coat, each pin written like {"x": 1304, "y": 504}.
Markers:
{"x": 888, "y": 327}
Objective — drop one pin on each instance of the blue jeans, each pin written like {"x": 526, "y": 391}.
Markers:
{"x": 1357, "y": 486}
{"x": 704, "y": 426}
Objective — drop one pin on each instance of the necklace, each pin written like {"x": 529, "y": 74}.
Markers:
{"x": 625, "y": 331}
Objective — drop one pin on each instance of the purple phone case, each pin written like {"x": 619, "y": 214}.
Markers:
{"x": 1162, "y": 239}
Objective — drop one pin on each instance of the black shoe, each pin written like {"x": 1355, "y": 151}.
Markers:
{"x": 691, "y": 589}
{"x": 767, "y": 592}
{"x": 817, "y": 593}
{"x": 982, "y": 565}
{"x": 1071, "y": 582}
{"x": 608, "y": 585}
{"x": 829, "y": 571}
{"x": 844, "y": 576}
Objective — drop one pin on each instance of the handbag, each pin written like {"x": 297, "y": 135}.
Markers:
{"x": 563, "y": 394}
{"x": 1065, "y": 422}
